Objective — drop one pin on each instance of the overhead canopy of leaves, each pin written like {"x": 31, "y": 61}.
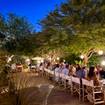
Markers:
{"x": 75, "y": 27}
{"x": 72, "y": 28}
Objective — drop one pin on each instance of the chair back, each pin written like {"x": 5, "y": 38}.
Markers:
{"x": 57, "y": 74}
{"x": 102, "y": 81}
{"x": 51, "y": 72}
{"x": 75, "y": 80}
{"x": 87, "y": 83}
{"x": 46, "y": 70}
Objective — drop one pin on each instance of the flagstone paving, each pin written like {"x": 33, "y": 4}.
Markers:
{"x": 37, "y": 91}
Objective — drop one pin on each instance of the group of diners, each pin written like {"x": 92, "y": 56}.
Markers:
{"x": 94, "y": 73}
{"x": 88, "y": 82}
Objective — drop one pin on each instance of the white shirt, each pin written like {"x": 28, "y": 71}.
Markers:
{"x": 57, "y": 69}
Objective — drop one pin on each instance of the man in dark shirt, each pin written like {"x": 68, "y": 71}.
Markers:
{"x": 81, "y": 73}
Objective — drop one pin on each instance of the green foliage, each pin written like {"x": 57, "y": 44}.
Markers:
{"x": 17, "y": 30}
{"x": 18, "y": 59}
{"x": 78, "y": 62}
{"x": 72, "y": 58}
{"x": 18, "y": 26}
{"x": 94, "y": 60}
{"x": 3, "y": 25}
{"x": 3, "y": 70}
{"x": 73, "y": 28}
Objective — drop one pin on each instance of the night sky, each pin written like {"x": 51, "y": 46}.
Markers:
{"x": 33, "y": 10}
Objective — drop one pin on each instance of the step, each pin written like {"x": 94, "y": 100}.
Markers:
{"x": 99, "y": 99}
{"x": 99, "y": 102}
{"x": 97, "y": 86}
{"x": 97, "y": 92}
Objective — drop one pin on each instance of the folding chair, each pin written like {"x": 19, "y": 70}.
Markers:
{"x": 93, "y": 93}
{"x": 56, "y": 76}
{"x": 51, "y": 74}
{"x": 69, "y": 83}
{"x": 103, "y": 87}
{"x": 65, "y": 81}
{"x": 76, "y": 86}
{"x": 46, "y": 72}
{"x": 41, "y": 71}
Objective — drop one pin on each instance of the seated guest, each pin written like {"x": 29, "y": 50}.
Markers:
{"x": 78, "y": 68}
{"x": 49, "y": 66}
{"x": 72, "y": 70}
{"x": 54, "y": 66}
{"x": 81, "y": 73}
{"x": 102, "y": 73}
{"x": 85, "y": 71}
{"x": 57, "y": 70}
{"x": 92, "y": 75}
{"x": 65, "y": 70}
{"x": 98, "y": 67}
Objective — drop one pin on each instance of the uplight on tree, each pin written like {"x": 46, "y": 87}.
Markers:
{"x": 27, "y": 60}
{"x": 9, "y": 60}
{"x": 58, "y": 58}
{"x": 103, "y": 63}
{"x": 49, "y": 59}
{"x": 64, "y": 60}
{"x": 82, "y": 56}
{"x": 100, "y": 52}
{"x": 42, "y": 61}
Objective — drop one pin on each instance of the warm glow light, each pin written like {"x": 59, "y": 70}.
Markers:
{"x": 27, "y": 60}
{"x": 38, "y": 62}
{"x": 100, "y": 52}
{"x": 64, "y": 60}
{"x": 49, "y": 58}
{"x": 82, "y": 56}
{"x": 103, "y": 63}
{"x": 42, "y": 61}
{"x": 9, "y": 60}
{"x": 37, "y": 58}
{"x": 58, "y": 58}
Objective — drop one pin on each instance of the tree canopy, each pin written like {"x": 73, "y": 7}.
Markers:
{"x": 71, "y": 29}
{"x": 75, "y": 27}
